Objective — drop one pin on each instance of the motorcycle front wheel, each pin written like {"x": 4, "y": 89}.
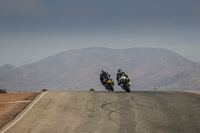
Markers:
{"x": 127, "y": 88}
{"x": 111, "y": 87}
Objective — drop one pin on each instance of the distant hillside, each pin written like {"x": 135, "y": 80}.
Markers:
{"x": 78, "y": 70}
{"x": 6, "y": 68}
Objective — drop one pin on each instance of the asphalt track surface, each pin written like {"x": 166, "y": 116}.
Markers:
{"x": 110, "y": 112}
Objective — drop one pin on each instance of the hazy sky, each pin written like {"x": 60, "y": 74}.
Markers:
{"x": 31, "y": 30}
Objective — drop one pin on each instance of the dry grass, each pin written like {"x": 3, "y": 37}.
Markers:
{"x": 10, "y": 105}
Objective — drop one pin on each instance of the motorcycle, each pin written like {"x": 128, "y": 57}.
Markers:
{"x": 109, "y": 84}
{"x": 125, "y": 83}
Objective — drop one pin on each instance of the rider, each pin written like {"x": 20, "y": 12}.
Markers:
{"x": 103, "y": 76}
{"x": 119, "y": 74}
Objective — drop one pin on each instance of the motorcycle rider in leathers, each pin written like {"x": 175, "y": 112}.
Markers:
{"x": 118, "y": 76}
{"x": 104, "y": 74}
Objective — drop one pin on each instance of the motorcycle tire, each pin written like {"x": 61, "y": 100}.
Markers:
{"x": 111, "y": 87}
{"x": 127, "y": 88}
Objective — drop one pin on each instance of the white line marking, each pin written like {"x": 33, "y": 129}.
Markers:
{"x": 19, "y": 118}
{"x": 18, "y": 102}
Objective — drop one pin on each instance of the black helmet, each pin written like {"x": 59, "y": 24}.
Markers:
{"x": 119, "y": 70}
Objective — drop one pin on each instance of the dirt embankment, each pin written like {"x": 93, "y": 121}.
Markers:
{"x": 13, "y": 103}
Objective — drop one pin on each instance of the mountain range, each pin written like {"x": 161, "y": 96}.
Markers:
{"x": 6, "y": 68}
{"x": 78, "y": 70}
